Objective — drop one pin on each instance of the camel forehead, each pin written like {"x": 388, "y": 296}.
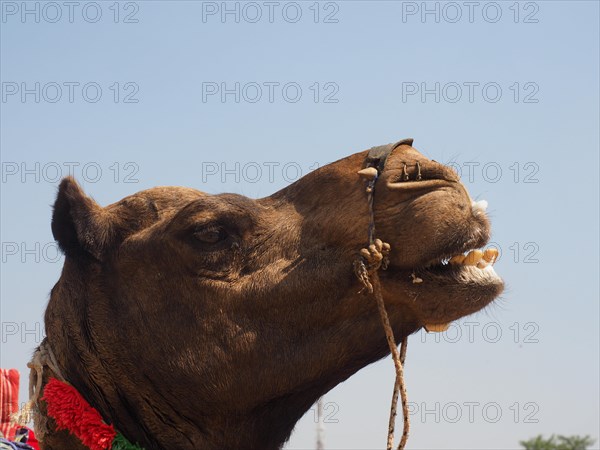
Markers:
{"x": 157, "y": 202}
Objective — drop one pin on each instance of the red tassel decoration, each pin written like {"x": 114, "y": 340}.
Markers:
{"x": 72, "y": 412}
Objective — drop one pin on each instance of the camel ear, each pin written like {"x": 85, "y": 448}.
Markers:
{"x": 79, "y": 224}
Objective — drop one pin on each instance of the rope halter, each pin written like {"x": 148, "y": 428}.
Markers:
{"x": 372, "y": 258}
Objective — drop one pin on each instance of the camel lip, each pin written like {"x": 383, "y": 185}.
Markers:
{"x": 418, "y": 185}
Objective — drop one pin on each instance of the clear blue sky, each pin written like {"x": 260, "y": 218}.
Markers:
{"x": 523, "y": 129}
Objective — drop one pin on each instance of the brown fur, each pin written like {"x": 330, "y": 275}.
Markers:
{"x": 182, "y": 343}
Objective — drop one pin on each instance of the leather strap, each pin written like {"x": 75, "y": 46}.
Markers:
{"x": 378, "y": 155}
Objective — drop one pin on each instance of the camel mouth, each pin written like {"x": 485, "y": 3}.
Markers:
{"x": 467, "y": 283}
{"x": 470, "y": 267}
{"x": 482, "y": 259}
{"x": 453, "y": 285}
{"x": 468, "y": 261}
{"x": 480, "y": 273}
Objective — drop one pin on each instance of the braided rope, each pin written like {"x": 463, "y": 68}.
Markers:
{"x": 394, "y": 405}
{"x": 398, "y": 358}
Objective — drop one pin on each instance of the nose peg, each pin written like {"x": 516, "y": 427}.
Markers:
{"x": 404, "y": 173}
{"x": 368, "y": 173}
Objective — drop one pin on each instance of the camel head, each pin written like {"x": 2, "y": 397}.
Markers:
{"x": 199, "y": 321}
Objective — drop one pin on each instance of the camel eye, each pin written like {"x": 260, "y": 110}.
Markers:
{"x": 210, "y": 235}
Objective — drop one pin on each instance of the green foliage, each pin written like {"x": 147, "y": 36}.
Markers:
{"x": 121, "y": 443}
{"x": 558, "y": 443}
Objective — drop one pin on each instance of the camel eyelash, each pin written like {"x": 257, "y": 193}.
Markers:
{"x": 212, "y": 234}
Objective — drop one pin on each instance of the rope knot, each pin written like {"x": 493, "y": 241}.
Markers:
{"x": 371, "y": 259}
